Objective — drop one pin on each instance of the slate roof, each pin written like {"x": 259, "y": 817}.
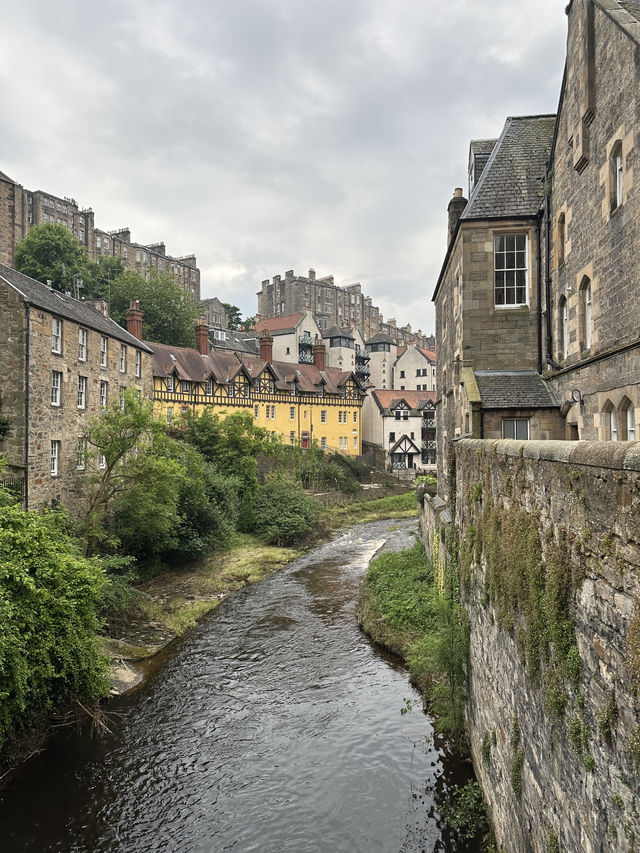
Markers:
{"x": 55, "y": 302}
{"x": 337, "y": 332}
{"x": 5, "y": 177}
{"x": 512, "y": 182}
{"x": 279, "y": 325}
{"x": 237, "y": 342}
{"x": 514, "y": 389}
{"x": 380, "y": 338}
{"x": 482, "y": 146}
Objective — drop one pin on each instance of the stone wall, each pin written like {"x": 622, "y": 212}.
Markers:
{"x": 549, "y": 557}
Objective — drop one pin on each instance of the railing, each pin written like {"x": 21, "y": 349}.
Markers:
{"x": 305, "y": 340}
{"x": 363, "y": 369}
{"x": 429, "y": 423}
{"x": 399, "y": 466}
{"x": 431, "y": 445}
{"x": 305, "y": 357}
{"x": 361, "y": 355}
{"x": 14, "y": 485}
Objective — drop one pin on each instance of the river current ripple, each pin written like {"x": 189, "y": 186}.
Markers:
{"x": 273, "y": 726}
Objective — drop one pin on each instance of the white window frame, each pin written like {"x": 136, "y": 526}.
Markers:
{"x": 256, "y": 411}
{"x": 169, "y": 414}
{"x": 564, "y": 325}
{"x": 355, "y": 442}
{"x": 81, "y": 453}
{"x": 138, "y": 364}
{"x": 123, "y": 388}
{"x": 82, "y": 392}
{"x": 102, "y": 460}
{"x": 292, "y": 413}
{"x": 104, "y": 350}
{"x": 273, "y": 413}
{"x": 587, "y": 316}
{"x": 55, "y": 458}
{"x": 56, "y": 387}
{"x": 517, "y": 422}
{"x": 500, "y": 267}
{"x": 56, "y": 335}
{"x": 123, "y": 358}
{"x": 170, "y": 384}
{"x": 208, "y": 387}
{"x": 323, "y": 416}
{"x": 323, "y": 442}
{"x": 104, "y": 393}
{"x": 613, "y": 424}
{"x": 82, "y": 344}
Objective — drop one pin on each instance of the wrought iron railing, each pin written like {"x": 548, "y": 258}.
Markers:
{"x": 305, "y": 357}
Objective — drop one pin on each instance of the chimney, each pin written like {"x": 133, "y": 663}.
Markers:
{"x": 202, "y": 337}
{"x": 288, "y": 275}
{"x": 100, "y": 305}
{"x": 312, "y": 274}
{"x": 455, "y": 209}
{"x": 134, "y": 319}
{"x": 319, "y": 355}
{"x": 266, "y": 346}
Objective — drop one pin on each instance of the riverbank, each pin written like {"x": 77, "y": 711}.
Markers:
{"x": 165, "y": 607}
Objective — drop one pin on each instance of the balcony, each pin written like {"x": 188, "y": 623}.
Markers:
{"x": 305, "y": 341}
{"x": 363, "y": 370}
{"x": 305, "y": 357}
{"x": 361, "y": 354}
{"x": 428, "y": 423}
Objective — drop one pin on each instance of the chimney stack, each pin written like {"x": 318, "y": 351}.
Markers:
{"x": 266, "y": 346}
{"x": 134, "y": 319}
{"x": 319, "y": 355}
{"x": 202, "y": 338}
{"x": 455, "y": 210}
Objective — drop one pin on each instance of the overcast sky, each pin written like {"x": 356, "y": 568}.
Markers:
{"x": 267, "y": 135}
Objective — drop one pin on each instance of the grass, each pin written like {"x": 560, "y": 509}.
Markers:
{"x": 404, "y": 505}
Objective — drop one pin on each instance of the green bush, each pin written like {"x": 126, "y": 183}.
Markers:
{"x": 282, "y": 513}
{"x": 49, "y": 597}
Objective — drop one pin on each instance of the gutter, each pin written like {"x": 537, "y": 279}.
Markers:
{"x": 27, "y": 371}
{"x": 547, "y": 273}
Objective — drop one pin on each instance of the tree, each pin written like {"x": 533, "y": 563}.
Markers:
{"x": 234, "y": 316}
{"x": 169, "y": 312}
{"x": 49, "y": 252}
{"x": 100, "y": 275}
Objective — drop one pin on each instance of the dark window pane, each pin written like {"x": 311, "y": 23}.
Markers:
{"x": 521, "y": 241}
{"x": 508, "y": 429}
{"x": 511, "y": 260}
{"x": 520, "y": 296}
{"x": 522, "y": 429}
{"x": 499, "y": 244}
{"x": 511, "y": 296}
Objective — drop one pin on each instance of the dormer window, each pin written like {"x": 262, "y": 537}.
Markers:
{"x": 170, "y": 384}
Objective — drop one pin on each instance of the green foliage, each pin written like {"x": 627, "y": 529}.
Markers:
{"x": 486, "y": 750}
{"x": 634, "y": 749}
{"x": 169, "y": 312}
{"x": 234, "y": 315}
{"x": 49, "y": 252}
{"x": 607, "y": 717}
{"x": 465, "y": 811}
{"x": 517, "y": 758}
{"x": 99, "y": 276}
{"x": 282, "y": 513}
{"x": 49, "y": 596}
{"x": 553, "y": 845}
{"x": 579, "y": 734}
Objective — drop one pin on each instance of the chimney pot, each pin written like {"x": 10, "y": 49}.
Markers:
{"x": 202, "y": 338}
{"x": 319, "y": 355}
{"x": 266, "y": 346}
{"x": 134, "y": 319}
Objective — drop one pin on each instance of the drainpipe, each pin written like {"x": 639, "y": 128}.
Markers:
{"x": 547, "y": 276}
{"x": 539, "y": 296}
{"x": 27, "y": 370}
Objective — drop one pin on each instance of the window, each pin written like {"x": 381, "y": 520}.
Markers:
{"x": 102, "y": 460}
{"x": 137, "y": 256}
{"x": 510, "y": 269}
{"x": 82, "y": 392}
{"x": 169, "y": 414}
{"x": 402, "y": 374}
{"x": 103, "y": 351}
{"x": 268, "y": 412}
{"x": 138, "y": 364}
{"x": 292, "y": 413}
{"x": 231, "y": 389}
{"x": 631, "y": 423}
{"x": 517, "y": 428}
{"x": 185, "y": 386}
{"x": 98, "y": 242}
{"x": 616, "y": 175}
{"x": 392, "y": 436}
{"x": 82, "y": 344}
{"x": 323, "y": 416}
{"x": 123, "y": 388}
{"x": 292, "y": 437}
{"x": 56, "y": 387}
{"x": 323, "y": 442}
{"x": 613, "y": 425}
{"x": 256, "y": 411}
{"x": 123, "y": 358}
{"x": 106, "y": 243}
{"x": 170, "y": 384}
{"x": 561, "y": 238}
{"x": 340, "y": 416}
{"x": 355, "y": 417}
{"x": 273, "y": 413}
{"x": 55, "y": 458}
{"x": 56, "y": 335}
{"x": 104, "y": 387}
{"x": 81, "y": 453}
{"x": 355, "y": 442}
{"x": 585, "y": 314}
{"x": 564, "y": 328}
{"x": 208, "y": 387}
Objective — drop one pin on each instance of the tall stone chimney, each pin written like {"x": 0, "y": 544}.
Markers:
{"x": 202, "y": 338}
{"x": 134, "y": 319}
{"x": 455, "y": 209}
{"x": 266, "y": 346}
{"x": 319, "y": 354}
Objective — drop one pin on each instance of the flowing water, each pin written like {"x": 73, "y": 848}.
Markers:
{"x": 274, "y": 726}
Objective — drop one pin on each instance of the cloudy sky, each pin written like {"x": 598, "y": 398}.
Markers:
{"x": 267, "y": 135}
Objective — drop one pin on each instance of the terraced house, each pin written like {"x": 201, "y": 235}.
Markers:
{"x": 62, "y": 361}
{"x": 302, "y": 403}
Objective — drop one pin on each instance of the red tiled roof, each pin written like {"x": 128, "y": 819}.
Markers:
{"x": 385, "y": 397}
{"x": 289, "y": 321}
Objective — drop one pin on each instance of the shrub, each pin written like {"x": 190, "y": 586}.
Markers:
{"x": 282, "y": 513}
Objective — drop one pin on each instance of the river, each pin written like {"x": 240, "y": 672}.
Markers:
{"x": 273, "y": 726}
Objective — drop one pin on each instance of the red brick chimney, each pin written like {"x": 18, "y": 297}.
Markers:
{"x": 319, "y": 355}
{"x": 134, "y": 319}
{"x": 266, "y": 346}
{"x": 202, "y": 338}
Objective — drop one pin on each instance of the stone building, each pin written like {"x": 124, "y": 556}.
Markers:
{"x": 63, "y": 360}
{"x": 21, "y": 209}
{"x": 215, "y": 313}
{"x": 537, "y": 303}
{"x": 331, "y": 305}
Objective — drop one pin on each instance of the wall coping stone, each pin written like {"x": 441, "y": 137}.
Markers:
{"x": 615, "y": 455}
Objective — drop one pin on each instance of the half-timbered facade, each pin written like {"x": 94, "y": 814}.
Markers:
{"x": 403, "y": 424}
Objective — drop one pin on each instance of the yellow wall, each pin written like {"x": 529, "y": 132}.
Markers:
{"x": 341, "y": 428}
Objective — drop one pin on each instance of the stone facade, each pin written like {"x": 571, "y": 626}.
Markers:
{"x": 331, "y": 305}
{"x": 594, "y": 234}
{"x": 571, "y": 773}
{"x": 50, "y": 395}
{"x": 21, "y": 209}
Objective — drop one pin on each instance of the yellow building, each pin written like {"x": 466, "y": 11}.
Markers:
{"x": 301, "y": 403}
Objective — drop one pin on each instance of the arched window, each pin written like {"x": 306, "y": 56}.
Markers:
{"x": 561, "y": 238}
{"x": 563, "y": 330}
{"x": 627, "y": 420}
{"x": 610, "y": 422}
{"x": 616, "y": 174}
{"x": 631, "y": 423}
{"x": 585, "y": 313}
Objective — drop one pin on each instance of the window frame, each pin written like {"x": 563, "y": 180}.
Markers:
{"x": 82, "y": 343}
{"x": 516, "y": 422}
{"x": 58, "y": 401}
{"x": 56, "y": 323}
{"x": 104, "y": 393}
{"x": 104, "y": 350}
{"x": 82, "y": 392}
{"x": 55, "y": 457}
{"x": 506, "y": 269}
{"x": 123, "y": 358}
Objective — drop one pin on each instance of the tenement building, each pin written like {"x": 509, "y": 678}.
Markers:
{"x": 63, "y": 361}
{"x": 21, "y": 209}
{"x": 537, "y": 310}
{"x": 331, "y": 305}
